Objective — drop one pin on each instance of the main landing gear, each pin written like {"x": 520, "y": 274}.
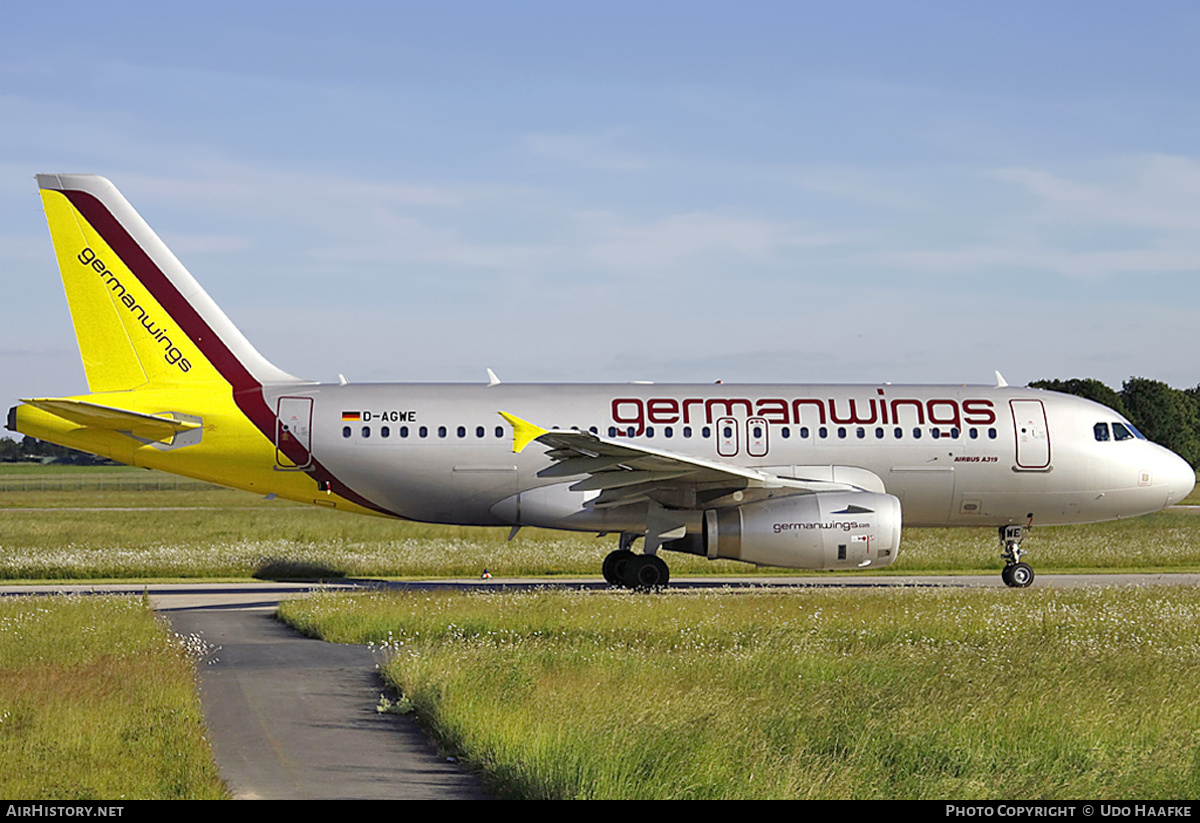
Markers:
{"x": 1016, "y": 574}
{"x": 641, "y": 572}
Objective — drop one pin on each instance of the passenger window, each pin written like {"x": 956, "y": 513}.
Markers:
{"x": 991, "y": 434}
{"x": 861, "y": 432}
{"x": 916, "y": 433}
{"x": 612, "y": 431}
{"x": 479, "y": 431}
{"x": 687, "y": 431}
{"x": 898, "y": 433}
{"x": 668, "y": 431}
{"x": 822, "y": 432}
{"x": 423, "y": 431}
{"x": 706, "y": 432}
{"x": 345, "y": 431}
{"x": 974, "y": 434}
{"x": 649, "y": 431}
{"x": 366, "y": 431}
{"x": 785, "y": 432}
{"x": 804, "y": 432}
{"x": 441, "y": 431}
{"x": 936, "y": 432}
{"x": 404, "y": 431}
{"x": 1100, "y": 430}
{"x": 500, "y": 431}
{"x": 385, "y": 431}
{"x": 462, "y": 431}
{"x": 879, "y": 432}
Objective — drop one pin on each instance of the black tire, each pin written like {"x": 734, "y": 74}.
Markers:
{"x": 1006, "y": 576}
{"x": 1021, "y": 575}
{"x": 615, "y": 566}
{"x": 646, "y": 572}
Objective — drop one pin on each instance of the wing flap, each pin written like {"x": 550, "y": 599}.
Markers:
{"x": 625, "y": 472}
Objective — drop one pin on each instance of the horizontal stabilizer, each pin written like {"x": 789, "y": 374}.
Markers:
{"x": 95, "y": 416}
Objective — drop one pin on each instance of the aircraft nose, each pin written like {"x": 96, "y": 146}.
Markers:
{"x": 1180, "y": 477}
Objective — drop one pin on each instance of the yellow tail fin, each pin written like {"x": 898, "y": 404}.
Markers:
{"x": 140, "y": 318}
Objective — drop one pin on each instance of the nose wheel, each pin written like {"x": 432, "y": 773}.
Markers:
{"x": 1016, "y": 574}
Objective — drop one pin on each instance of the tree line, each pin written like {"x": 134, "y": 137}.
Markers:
{"x": 1168, "y": 416}
{"x": 32, "y": 450}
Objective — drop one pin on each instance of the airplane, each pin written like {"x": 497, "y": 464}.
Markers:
{"x": 794, "y": 476}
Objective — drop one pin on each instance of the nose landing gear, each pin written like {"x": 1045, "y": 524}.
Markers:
{"x": 1016, "y": 574}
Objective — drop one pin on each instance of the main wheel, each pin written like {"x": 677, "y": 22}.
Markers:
{"x": 646, "y": 571}
{"x": 615, "y": 565}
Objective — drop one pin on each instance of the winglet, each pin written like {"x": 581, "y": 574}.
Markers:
{"x": 524, "y": 432}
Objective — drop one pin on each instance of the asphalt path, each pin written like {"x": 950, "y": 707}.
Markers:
{"x": 290, "y": 717}
{"x": 293, "y": 718}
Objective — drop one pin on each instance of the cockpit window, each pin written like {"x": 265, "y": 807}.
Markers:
{"x": 1136, "y": 433}
{"x": 1121, "y": 433}
{"x": 1101, "y": 431}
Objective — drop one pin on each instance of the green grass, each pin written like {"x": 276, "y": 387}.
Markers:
{"x": 97, "y": 701}
{"x": 18, "y": 477}
{"x": 16, "y": 469}
{"x": 806, "y": 694}
{"x": 166, "y": 533}
{"x": 1037, "y": 693}
{"x": 1193, "y": 499}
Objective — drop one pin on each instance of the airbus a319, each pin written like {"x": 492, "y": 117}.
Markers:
{"x": 797, "y": 476}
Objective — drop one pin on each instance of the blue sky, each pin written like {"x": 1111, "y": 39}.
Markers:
{"x": 615, "y": 191}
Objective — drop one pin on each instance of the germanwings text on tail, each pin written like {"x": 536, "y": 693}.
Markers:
{"x": 803, "y": 476}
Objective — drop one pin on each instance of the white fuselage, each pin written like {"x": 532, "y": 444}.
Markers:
{"x": 953, "y": 455}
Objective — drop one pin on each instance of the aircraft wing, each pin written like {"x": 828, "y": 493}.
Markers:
{"x": 93, "y": 415}
{"x": 624, "y": 472}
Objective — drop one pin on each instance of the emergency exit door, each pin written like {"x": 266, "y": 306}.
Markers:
{"x": 1032, "y": 434}
{"x": 293, "y": 433}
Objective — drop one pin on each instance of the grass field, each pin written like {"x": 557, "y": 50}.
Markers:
{"x": 905, "y": 693}
{"x": 202, "y": 531}
{"x": 98, "y": 701}
{"x": 914, "y": 693}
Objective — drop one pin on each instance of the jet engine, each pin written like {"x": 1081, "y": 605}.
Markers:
{"x": 825, "y": 530}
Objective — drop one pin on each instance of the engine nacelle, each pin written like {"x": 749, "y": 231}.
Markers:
{"x": 826, "y": 530}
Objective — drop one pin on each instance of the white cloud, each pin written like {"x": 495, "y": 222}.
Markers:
{"x": 622, "y": 244}
{"x": 595, "y": 150}
{"x": 1157, "y": 192}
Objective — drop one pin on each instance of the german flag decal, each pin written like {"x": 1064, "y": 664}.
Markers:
{"x": 351, "y": 417}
